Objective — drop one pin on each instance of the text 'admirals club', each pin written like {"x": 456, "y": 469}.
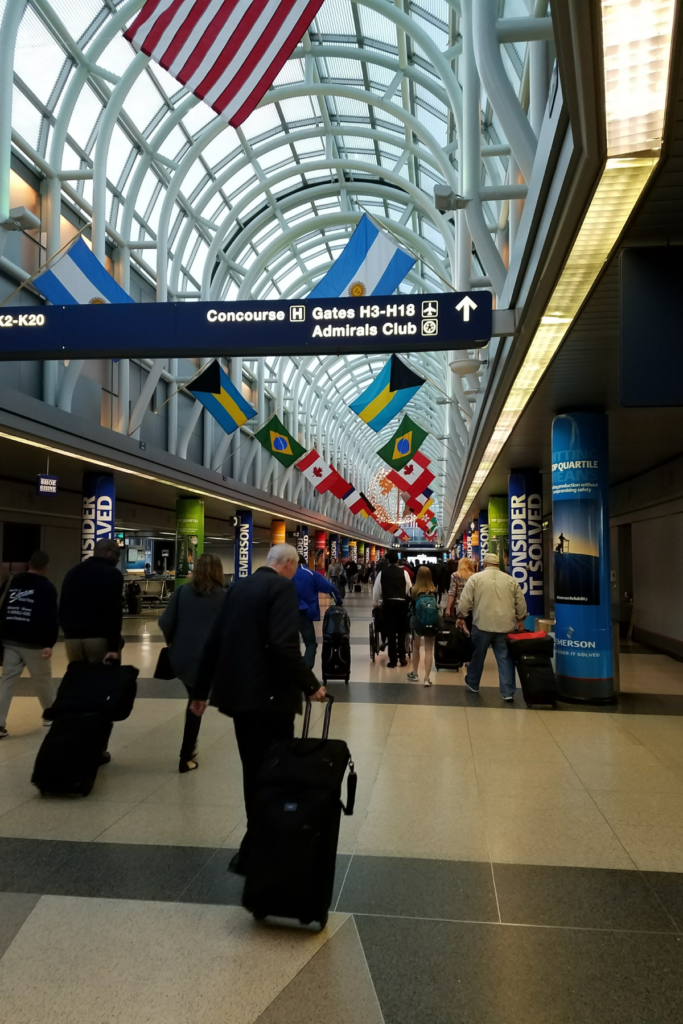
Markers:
{"x": 395, "y": 318}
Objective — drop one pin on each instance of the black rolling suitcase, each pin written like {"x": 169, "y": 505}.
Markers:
{"x": 532, "y": 654}
{"x": 108, "y": 688}
{"x": 336, "y": 656}
{"x": 294, "y": 827}
{"x": 71, "y": 754}
{"x": 452, "y": 648}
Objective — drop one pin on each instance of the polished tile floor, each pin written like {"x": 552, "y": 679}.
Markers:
{"x": 503, "y": 865}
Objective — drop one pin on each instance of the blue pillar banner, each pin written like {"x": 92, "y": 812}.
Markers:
{"x": 345, "y": 547}
{"x": 581, "y": 558}
{"x": 302, "y": 542}
{"x": 97, "y": 513}
{"x": 474, "y": 533}
{"x": 483, "y": 533}
{"x": 244, "y": 539}
{"x": 468, "y": 541}
{"x": 525, "y": 497}
{"x": 334, "y": 546}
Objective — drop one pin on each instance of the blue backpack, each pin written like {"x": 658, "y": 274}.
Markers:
{"x": 427, "y": 612}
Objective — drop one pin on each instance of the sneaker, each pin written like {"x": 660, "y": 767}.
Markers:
{"x": 46, "y": 723}
{"x": 3, "y": 732}
{"x": 427, "y": 682}
{"x": 412, "y": 677}
{"x": 471, "y": 687}
{"x": 511, "y": 697}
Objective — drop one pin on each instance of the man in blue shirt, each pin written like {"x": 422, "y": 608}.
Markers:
{"x": 308, "y": 586}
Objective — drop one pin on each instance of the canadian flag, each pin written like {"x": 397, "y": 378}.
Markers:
{"x": 414, "y": 476}
{"x": 315, "y": 469}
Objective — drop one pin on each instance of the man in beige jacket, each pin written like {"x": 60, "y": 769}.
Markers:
{"x": 497, "y": 604}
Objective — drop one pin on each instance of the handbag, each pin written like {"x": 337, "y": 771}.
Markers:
{"x": 164, "y": 669}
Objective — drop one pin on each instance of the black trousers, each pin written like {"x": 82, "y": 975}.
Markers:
{"x": 395, "y": 616}
{"x": 255, "y": 732}
{"x": 190, "y": 734}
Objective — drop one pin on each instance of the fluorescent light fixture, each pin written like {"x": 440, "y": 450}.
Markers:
{"x": 636, "y": 55}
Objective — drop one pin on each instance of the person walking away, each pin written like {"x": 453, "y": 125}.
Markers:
{"x": 334, "y": 571}
{"x": 253, "y": 670}
{"x": 28, "y": 628}
{"x": 464, "y": 569}
{"x": 424, "y": 622}
{"x": 186, "y": 623}
{"x": 391, "y": 590}
{"x": 351, "y": 572}
{"x": 497, "y": 604}
{"x": 309, "y": 585}
{"x": 90, "y": 606}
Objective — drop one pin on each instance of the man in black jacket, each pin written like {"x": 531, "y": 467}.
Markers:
{"x": 90, "y": 606}
{"x": 391, "y": 591}
{"x": 253, "y": 669}
{"x": 28, "y": 627}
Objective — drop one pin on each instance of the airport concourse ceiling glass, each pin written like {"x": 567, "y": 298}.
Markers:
{"x": 366, "y": 116}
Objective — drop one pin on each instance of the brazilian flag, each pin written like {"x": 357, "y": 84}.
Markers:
{"x": 277, "y": 440}
{"x": 403, "y": 445}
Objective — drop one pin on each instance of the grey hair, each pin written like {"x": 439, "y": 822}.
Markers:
{"x": 280, "y": 554}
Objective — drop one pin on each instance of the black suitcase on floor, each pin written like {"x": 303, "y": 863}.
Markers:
{"x": 71, "y": 754}
{"x": 107, "y": 688}
{"x": 294, "y": 827}
{"x": 452, "y": 648}
{"x": 357, "y": 588}
{"x": 539, "y": 685}
{"x": 336, "y": 656}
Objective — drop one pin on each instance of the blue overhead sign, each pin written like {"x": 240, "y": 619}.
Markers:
{"x": 46, "y": 484}
{"x": 395, "y": 323}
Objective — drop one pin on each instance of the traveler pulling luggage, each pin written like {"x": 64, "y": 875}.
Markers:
{"x": 294, "y": 828}
{"x": 336, "y": 659}
{"x": 532, "y": 654}
{"x": 90, "y": 698}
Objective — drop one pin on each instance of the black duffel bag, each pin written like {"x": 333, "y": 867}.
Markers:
{"x": 107, "y": 688}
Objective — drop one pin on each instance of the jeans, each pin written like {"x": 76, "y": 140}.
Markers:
{"x": 395, "y": 617}
{"x": 506, "y": 667}
{"x": 307, "y": 630}
{"x": 41, "y": 676}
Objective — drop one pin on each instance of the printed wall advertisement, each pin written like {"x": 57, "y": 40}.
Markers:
{"x": 499, "y": 529}
{"x": 302, "y": 542}
{"x": 581, "y": 558}
{"x": 525, "y": 493}
{"x": 474, "y": 530}
{"x": 278, "y": 532}
{"x": 189, "y": 525}
{"x": 244, "y": 539}
{"x": 353, "y": 551}
{"x": 344, "y": 548}
{"x": 483, "y": 534}
{"x": 98, "y": 510}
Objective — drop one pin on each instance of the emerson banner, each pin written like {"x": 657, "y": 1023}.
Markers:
{"x": 394, "y": 323}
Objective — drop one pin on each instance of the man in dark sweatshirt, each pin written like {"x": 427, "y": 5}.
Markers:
{"x": 28, "y": 627}
{"x": 90, "y": 606}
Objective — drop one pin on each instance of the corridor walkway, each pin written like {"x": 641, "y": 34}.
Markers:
{"x": 504, "y": 866}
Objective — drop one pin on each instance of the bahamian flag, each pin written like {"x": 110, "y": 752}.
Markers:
{"x": 276, "y": 439}
{"x": 389, "y": 392}
{"x": 78, "y": 278}
{"x": 403, "y": 445}
{"x": 214, "y": 389}
{"x": 372, "y": 263}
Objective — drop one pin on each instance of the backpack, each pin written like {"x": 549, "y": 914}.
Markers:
{"x": 427, "y": 612}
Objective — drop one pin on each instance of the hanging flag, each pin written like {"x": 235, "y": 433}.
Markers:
{"x": 314, "y": 469}
{"x": 357, "y": 502}
{"x": 227, "y": 52}
{"x": 403, "y": 445}
{"x": 276, "y": 439}
{"x": 414, "y": 476}
{"x": 393, "y": 388}
{"x": 421, "y": 503}
{"x": 402, "y": 535}
{"x": 337, "y": 485}
{"x": 372, "y": 263}
{"x": 214, "y": 389}
{"x": 77, "y": 278}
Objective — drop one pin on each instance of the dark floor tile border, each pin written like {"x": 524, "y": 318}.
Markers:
{"x": 419, "y": 888}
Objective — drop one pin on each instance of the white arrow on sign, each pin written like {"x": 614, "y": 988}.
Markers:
{"x": 465, "y": 306}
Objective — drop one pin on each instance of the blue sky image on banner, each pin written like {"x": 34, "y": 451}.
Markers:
{"x": 78, "y": 278}
{"x": 371, "y": 264}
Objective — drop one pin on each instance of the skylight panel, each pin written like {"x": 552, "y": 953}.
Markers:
{"x": 172, "y": 88}
{"x": 117, "y": 155}
{"x": 172, "y": 145}
{"x": 85, "y": 113}
{"x": 76, "y": 15}
{"x": 38, "y": 57}
{"x": 335, "y": 17}
{"x": 299, "y": 109}
{"x": 262, "y": 120}
{"x": 143, "y": 101}
{"x": 25, "y": 118}
{"x": 117, "y": 56}
{"x": 376, "y": 27}
{"x": 197, "y": 118}
{"x": 221, "y": 147}
{"x": 292, "y": 72}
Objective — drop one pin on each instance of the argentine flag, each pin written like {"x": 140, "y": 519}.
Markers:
{"x": 78, "y": 278}
{"x": 371, "y": 264}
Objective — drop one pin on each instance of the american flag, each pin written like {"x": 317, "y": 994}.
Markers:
{"x": 226, "y": 52}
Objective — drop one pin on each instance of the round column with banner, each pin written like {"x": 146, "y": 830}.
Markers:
{"x": 97, "y": 511}
{"x": 483, "y": 534}
{"x": 189, "y": 520}
{"x": 344, "y": 548}
{"x": 581, "y": 558}
{"x": 474, "y": 528}
{"x": 525, "y": 498}
{"x": 373, "y": 553}
{"x": 320, "y": 548}
{"x": 499, "y": 529}
{"x": 334, "y": 546}
{"x": 302, "y": 542}
{"x": 244, "y": 541}
{"x": 361, "y": 552}
{"x": 353, "y": 551}
{"x": 278, "y": 532}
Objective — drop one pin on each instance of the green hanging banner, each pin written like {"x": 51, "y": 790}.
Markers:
{"x": 499, "y": 529}
{"x": 189, "y": 518}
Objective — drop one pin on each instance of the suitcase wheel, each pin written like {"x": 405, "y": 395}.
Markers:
{"x": 347, "y": 680}
{"x": 323, "y": 922}
{"x": 258, "y": 916}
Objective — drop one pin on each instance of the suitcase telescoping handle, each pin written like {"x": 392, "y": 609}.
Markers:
{"x": 352, "y": 781}
{"x": 326, "y": 724}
